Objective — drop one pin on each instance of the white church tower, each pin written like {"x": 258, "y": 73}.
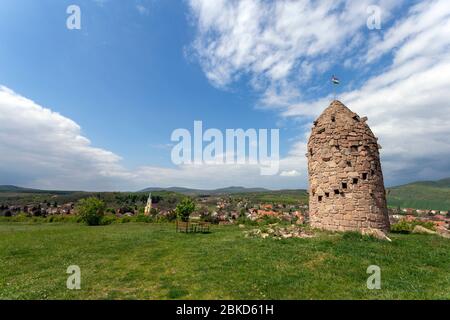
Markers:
{"x": 148, "y": 207}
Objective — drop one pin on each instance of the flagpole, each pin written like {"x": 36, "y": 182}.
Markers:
{"x": 334, "y": 83}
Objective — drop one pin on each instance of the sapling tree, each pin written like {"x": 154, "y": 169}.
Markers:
{"x": 184, "y": 209}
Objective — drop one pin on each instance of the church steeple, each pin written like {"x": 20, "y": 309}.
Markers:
{"x": 148, "y": 207}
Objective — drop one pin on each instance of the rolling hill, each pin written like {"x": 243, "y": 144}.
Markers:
{"x": 9, "y": 188}
{"x": 421, "y": 195}
{"x": 15, "y": 189}
{"x": 188, "y": 191}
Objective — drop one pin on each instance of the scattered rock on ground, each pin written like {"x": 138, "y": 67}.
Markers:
{"x": 376, "y": 233}
{"x": 443, "y": 232}
{"x": 423, "y": 230}
{"x": 279, "y": 232}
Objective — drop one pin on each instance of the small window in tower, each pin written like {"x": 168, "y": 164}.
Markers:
{"x": 364, "y": 176}
{"x": 354, "y": 148}
{"x": 327, "y": 194}
{"x": 344, "y": 185}
{"x": 333, "y": 119}
{"x": 355, "y": 180}
{"x": 336, "y": 191}
{"x": 349, "y": 163}
{"x": 372, "y": 172}
{"x": 320, "y": 198}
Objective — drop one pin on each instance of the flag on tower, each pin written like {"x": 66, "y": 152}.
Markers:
{"x": 335, "y": 80}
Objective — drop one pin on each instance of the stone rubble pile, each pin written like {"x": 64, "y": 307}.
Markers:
{"x": 279, "y": 232}
{"x": 441, "y": 231}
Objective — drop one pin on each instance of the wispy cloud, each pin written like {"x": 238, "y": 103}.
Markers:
{"x": 142, "y": 9}
{"x": 278, "y": 44}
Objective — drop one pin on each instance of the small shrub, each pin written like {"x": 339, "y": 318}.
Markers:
{"x": 185, "y": 208}
{"x": 125, "y": 220}
{"x": 269, "y": 220}
{"x": 91, "y": 211}
{"x": 246, "y": 221}
{"x": 428, "y": 225}
{"x": 143, "y": 218}
{"x": 108, "y": 219}
{"x": 405, "y": 227}
{"x": 402, "y": 226}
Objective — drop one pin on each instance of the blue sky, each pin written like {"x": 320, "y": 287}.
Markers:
{"x": 112, "y": 93}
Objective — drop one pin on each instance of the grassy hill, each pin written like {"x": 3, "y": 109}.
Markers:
{"x": 421, "y": 195}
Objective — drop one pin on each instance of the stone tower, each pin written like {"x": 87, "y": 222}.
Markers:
{"x": 346, "y": 189}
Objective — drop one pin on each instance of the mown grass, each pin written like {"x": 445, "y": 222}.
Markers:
{"x": 151, "y": 261}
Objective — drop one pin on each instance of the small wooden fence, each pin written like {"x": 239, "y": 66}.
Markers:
{"x": 192, "y": 227}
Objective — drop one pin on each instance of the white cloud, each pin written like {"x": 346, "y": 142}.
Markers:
{"x": 275, "y": 42}
{"x": 41, "y": 148}
{"x": 48, "y": 149}
{"x": 409, "y": 104}
{"x": 143, "y": 10}
{"x": 290, "y": 173}
{"x": 281, "y": 44}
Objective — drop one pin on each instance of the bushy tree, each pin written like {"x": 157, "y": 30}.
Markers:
{"x": 184, "y": 209}
{"x": 91, "y": 211}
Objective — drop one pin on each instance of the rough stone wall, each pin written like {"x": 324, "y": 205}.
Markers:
{"x": 346, "y": 189}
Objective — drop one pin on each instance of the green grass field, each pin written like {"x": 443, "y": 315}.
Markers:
{"x": 151, "y": 261}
